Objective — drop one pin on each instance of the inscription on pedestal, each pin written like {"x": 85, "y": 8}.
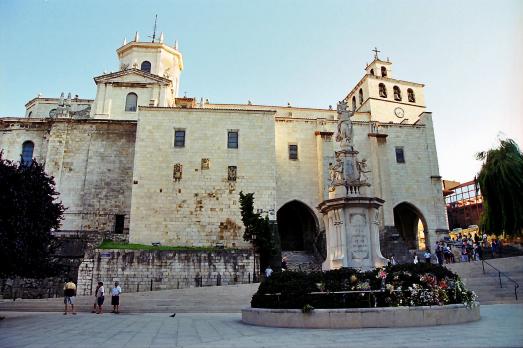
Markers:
{"x": 359, "y": 237}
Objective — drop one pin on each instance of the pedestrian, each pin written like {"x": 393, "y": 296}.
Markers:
{"x": 427, "y": 255}
{"x": 100, "y": 295}
{"x": 69, "y": 295}
{"x": 415, "y": 261}
{"x": 479, "y": 252}
{"x": 268, "y": 271}
{"x": 393, "y": 261}
{"x": 284, "y": 263}
{"x": 95, "y": 305}
{"x": 115, "y": 297}
{"x": 439, "y": 254}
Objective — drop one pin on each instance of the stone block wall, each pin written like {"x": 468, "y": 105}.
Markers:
{"x": 200, "y": 206}
{"x": 139, "y": 271}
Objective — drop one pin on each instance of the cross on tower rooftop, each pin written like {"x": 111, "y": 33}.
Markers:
{"x": 375, "y": 50}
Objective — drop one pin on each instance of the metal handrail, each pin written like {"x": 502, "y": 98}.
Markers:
{"x": 500, "y": 273}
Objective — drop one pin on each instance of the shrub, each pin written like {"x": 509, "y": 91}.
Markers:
{"x": 401, "y": 285}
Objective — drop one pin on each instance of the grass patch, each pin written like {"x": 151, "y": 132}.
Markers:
{"x": 109, "y": 244}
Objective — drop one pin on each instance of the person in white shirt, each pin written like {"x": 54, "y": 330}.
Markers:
{"x": 100, "y": 295}
{"x": 415, "y": 259}
{"x": 268, "y": 272}
{"x": 115, "y": 297}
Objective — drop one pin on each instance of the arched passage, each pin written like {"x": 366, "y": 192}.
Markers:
{"x": 411, "y": 225}
{"x": 297, "y": 227}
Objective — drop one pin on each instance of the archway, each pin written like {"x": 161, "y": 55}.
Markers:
{"x": 411, "y": 226}
{"x": 297, "y": 227}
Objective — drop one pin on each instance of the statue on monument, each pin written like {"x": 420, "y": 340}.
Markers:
{"x": 344, "y": 132}
{"x": 335, "y": 174}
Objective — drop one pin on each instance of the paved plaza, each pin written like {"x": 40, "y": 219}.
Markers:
{"x": 500, "y": 326}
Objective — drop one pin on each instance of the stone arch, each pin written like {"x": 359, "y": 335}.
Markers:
{"x": 298, "y": 227}
{"x": 411, "y": 225}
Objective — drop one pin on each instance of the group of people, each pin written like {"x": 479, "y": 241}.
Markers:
{"x": 70, "y": 296}
{"x": 268, "y": 270}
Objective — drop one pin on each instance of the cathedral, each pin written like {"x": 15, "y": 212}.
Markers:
{"x": 142, "y": 162}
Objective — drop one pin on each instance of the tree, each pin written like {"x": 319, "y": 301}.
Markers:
{"x": 28, "y": 213}
{"x": 258, "y": 230}
{"x": 501, "y": 183}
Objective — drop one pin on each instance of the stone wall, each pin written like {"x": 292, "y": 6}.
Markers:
{"x": 139, "y": 271}
{"x": 201, "y": 206}
{"x": 91, "y": 161}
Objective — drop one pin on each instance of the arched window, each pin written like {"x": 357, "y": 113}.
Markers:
{"x": 383, "y": 90}
{"x": 411, "y": 96}
{"x": 383, "y": 71}
{"x": 372, "y": 71}
{"x": 27, "y": 153}
{"x": 360, "y": 95}
{"x": 131, "y": 101}
{"x": 30, "y": 114}
{"x": 397, "y": 93}
{"x": 353, "y": 103}
{"x": 146, "y": 66}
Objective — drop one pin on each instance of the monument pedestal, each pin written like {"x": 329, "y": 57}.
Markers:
{"x": 352, "y": 231}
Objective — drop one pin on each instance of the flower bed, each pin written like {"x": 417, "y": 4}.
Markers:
{"x": 401, "y": 285}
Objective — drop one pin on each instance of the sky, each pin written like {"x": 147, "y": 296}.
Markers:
{"x": 469, "y": 55}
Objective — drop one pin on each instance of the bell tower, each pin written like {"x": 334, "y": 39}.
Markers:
{"x": 380, "y": 97}
{"x": 153, "y": 57}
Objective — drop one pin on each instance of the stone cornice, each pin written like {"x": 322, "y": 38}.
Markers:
{"x": 52, "y": 100}
{"x": 178, "y": 109}
{"x": 120, "y": 51}
{"x": 158, "y": 79}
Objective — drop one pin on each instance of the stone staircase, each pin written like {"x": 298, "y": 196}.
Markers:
{"x": 486, "y": 286}
{"x": 392, "y": 244}
{"x": 301, "y": 261}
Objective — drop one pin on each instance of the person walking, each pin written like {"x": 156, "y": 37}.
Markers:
{"x": 100, "y": 295}
{"x": 69, "y": 295}
{"x": 427, "y": 255}
{"x": 115, "y": 297}
{"x": 415, "y": 261}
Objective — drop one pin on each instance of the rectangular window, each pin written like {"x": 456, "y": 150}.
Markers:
{"x": 119, "y": 223}
{"x": 179, "y": 138}
{"x": 293, "y": 151}
{"x": 400, "y": 156}
{"x": 232, "y": 139}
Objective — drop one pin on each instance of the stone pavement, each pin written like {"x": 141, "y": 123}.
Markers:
{"x": 500, "y": 326}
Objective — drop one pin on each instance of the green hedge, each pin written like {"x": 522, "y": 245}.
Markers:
{"x": 400, "y": 285}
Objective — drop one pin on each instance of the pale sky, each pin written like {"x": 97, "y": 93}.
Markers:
{"x": 469, "y": 54}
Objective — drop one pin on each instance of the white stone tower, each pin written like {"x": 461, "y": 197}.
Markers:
{"x": 149, "y": 75}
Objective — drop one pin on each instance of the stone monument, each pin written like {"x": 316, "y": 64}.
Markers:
{"x": 351, "y": 214}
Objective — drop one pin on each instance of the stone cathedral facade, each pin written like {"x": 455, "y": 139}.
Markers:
{"x": 139, "y": 160}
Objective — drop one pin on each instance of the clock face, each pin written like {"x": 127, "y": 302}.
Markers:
{"x": 399, "y": 112}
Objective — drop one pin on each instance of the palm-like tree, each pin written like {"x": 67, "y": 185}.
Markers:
{"x": 501, "y": 183}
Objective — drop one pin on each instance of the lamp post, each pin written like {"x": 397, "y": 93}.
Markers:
{"x": 254, "y": 278}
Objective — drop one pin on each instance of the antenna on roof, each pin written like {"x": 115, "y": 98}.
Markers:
{"x": 154, "y": 30}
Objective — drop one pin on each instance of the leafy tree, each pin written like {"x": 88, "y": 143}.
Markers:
{"x": 501, "y": 183}
{"x": 28, "y": 212}
{"x": 258, "y": 230}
